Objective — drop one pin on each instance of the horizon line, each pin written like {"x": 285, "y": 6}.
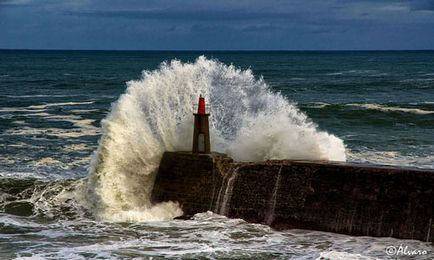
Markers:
{"x": 216, "y": 50}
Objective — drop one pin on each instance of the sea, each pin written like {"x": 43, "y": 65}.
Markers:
{"x": 82, "y": 133}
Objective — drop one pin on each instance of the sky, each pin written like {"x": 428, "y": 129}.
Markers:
{"x": 217, "y": 25}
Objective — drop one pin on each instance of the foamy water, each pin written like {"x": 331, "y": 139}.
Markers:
{"x": 207, "y": 236}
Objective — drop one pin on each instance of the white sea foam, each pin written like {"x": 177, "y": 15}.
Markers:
{"x": 47, "y": 161}
{"x": 77, "y": 147}
{"x": 335, "y": 255}
{"x": 85, "y": 160}
{"x": 81, "y": 111}
{"x": 77, "y": 121}
{"x": 17, "y": 221}
{"x": 247, "y": 121}
{"x": 55, "y": 132}
{"x": 41, "y": 108}
{"x": 20, "y": 109}
{"x": 61, "y": 104}
{"x": 19, "y": 122}
{"x": 318, "y": 105}
{"x": 84, "y": 127}
{"x": 22, "y": 174}
{"x": 392, "y": 108}
{"x": 335, "y": 73}
{"x": 18, "y": 145}
{"x": 356, "y": 72}
{"x": 206, "y": 236}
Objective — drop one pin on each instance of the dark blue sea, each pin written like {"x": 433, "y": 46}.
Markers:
{"x": 61, "y": 124}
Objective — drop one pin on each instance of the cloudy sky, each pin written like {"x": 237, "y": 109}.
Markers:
{"x": 217, "y": 25}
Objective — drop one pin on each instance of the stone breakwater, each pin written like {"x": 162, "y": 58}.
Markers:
{"x": 336, "y": 197}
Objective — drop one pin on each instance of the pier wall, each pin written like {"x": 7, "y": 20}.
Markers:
{"x": 336, "y": 197}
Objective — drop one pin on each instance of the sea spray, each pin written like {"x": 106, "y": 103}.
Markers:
{"x": 248, "y": 121}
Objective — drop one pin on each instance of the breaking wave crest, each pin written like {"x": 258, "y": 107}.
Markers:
{"x": 385, "y": 108}
{"x": 248, "y": 121}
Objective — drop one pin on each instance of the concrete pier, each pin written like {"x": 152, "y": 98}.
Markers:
{"x": 336, "y": 197}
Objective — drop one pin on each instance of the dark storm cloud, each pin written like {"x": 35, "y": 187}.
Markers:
{"x": 423, "y": 5}
{"x": 11, "y": 2}
{"x": 261, "y": 28}
{"x": 199, "y": 24}
{"x": 412, "y": 5}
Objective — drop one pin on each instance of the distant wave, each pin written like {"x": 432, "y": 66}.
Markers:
{"x": 391, "y": 158}
{"x": 317, "y": 105}
{"x": 40, "y": 108}
{"x": 385, "y": 108}
{"x": 37, "y": 96}
{"x": 62, "y": 104}
{"x": 374, "y": 73}
{"x": 374, "y": 106}
{"x": 335, "y": 73}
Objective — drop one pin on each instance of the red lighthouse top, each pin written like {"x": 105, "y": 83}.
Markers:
{"x": 201, "y": 108}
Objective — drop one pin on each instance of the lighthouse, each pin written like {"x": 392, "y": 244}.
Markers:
{"x": 201, "y": 143}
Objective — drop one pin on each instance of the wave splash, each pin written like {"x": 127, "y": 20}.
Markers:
{"x": 247, "y": 121}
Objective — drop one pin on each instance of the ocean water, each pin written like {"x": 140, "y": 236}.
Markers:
{"x": 82, "y": 132}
